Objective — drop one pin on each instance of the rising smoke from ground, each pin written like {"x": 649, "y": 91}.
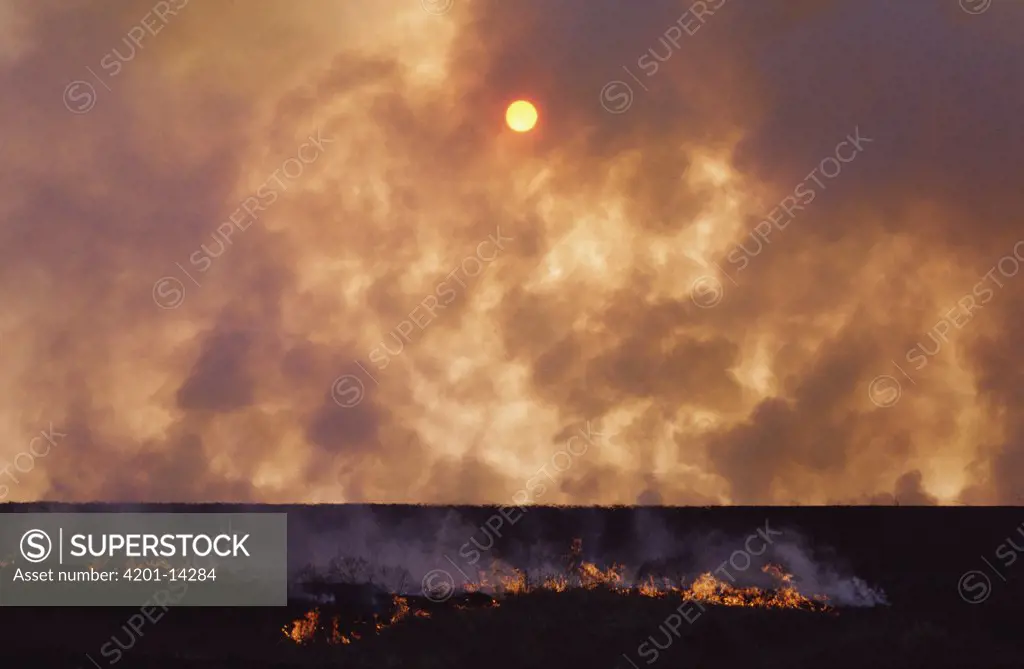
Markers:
{"x": 438, "y": 546}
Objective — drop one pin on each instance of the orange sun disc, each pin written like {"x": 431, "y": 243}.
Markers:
{"x": 521, "y": 116}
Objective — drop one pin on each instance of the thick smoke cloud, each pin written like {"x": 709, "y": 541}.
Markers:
{"x": 443, "y": 545}
{"x": 266, "y": 253}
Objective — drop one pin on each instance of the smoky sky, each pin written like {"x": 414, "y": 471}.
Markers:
{"x": 753, "y": 253}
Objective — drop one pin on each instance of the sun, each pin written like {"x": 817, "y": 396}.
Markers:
{"x": 521, "y": 116}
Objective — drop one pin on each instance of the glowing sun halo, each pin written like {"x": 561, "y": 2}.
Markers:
{"x": 521, "y": 116}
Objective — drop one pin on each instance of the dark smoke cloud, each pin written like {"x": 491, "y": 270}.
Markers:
{"x": 185, "y": 366}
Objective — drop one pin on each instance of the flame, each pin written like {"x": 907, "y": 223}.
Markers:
{"x": 556, "y": 583}
{"x": 515, "y": 584}
{"x": 705, "y": 589}
{"x": 710, "y": 590}
{"x": 401, "y": 609}
{"x": 303, "y": 629}
{"x": 482, "y": 584}
{"x": 649, "y": 589}
{"x": 336, "y": 636}
{"x": 591, "y": 576}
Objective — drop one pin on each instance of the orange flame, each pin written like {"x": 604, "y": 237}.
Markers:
{"x": 591, "y": 576}
{"x": 705, "y": 589}
{"x": 708, "y": 589}
{"x": 556, "y": 583}
{"x": 401, "y": 609}
{"x": 336, "y": 636}
{"x": 303, "y": 629}
{"x": 514, "y": 584}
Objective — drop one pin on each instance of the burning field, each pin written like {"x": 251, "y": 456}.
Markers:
{"x": 355, "y": 610}
{"x": 830, "y": 588}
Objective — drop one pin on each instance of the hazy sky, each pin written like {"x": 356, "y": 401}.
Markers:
{"x": 422, "y": 306}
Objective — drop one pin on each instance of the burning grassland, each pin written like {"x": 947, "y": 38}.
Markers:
{"x": 316, "y": 625}
{"x": 338, "y": 624}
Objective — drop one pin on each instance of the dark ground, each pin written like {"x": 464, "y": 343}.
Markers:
{"x": 917, "y": 555}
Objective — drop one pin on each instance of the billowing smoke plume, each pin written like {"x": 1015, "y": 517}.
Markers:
{"x": 288, "y": 252}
